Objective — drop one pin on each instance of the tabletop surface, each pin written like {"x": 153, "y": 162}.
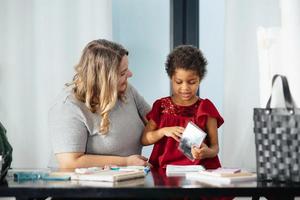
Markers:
{"x": 155, "y": 184}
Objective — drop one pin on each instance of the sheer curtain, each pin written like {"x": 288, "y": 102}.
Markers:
{"x": 40, "y": 42}
{"x": 261, "y": 39}
{"x": 241, "y": 76}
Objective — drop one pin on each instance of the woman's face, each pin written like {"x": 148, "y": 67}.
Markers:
{"x": 124, "y": 74}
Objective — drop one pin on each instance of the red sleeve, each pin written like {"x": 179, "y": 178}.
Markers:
{"x": 208, "y": 109}
{"x": 155, "y": 112}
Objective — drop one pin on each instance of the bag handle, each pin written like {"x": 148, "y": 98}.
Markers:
{"x": 289, "y": 103}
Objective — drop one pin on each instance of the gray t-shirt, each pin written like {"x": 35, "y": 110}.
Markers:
{"x": 74, "y": 128}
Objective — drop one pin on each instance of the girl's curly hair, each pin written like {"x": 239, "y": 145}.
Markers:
{"x": 186, "y": 57}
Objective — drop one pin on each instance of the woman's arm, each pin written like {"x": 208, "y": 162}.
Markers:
{"x": 151, "y": 134}
{"x": 79, "y": 160}
{"x": 212, "y": 149}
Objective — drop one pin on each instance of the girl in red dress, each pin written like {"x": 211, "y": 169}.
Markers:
{"x": 186, "y": 67}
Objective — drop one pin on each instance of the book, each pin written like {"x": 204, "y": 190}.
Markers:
{"x": 197, "y": 184}
{"x": 145, "y": 169}
{"x": 243, "y": 177}
{"x": 108, "y": 175}
{"x": 124, "y": 183}
{"x": 191, "y": 136}
{"x": 181, "y": 170}
{"x": 89, "y": 170}
{"x": 225, "y": 172}
{"x": 27, "y": 175}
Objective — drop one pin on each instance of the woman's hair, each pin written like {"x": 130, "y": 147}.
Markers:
{"x": 186, "y": 57}
{"x": 96, "y": 78}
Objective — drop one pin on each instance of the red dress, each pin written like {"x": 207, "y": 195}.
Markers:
{"x": 165, "y": 114}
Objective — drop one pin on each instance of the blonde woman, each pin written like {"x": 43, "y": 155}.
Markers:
{"x": 99, "y": 118}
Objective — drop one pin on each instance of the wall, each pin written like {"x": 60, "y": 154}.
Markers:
{"x": 41, "y": 41}
{"x": 211, "y": 42}
{"x": 241, "y": 76}
{"x": 143, "y": 28}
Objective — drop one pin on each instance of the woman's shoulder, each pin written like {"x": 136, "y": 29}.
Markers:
{"x": 66, "y": 95}
{"x": 130, "y": 89}
{"x": 66, "y": 100}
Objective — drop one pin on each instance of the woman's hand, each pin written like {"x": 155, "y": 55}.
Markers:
{"x": 175, "y": 132}
{"x": 137, "y": 160}
{"x": 203, "y": 152}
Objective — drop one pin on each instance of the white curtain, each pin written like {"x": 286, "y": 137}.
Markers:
{"x": 278, "y": 49}
{"x": 290, "y": 40}
{"x": 241, "y": 76}
{"x": 40, "y": 42}
{"x": 261, "y": 39}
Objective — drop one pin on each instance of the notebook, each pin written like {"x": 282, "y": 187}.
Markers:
{"x": 108, "y": 175}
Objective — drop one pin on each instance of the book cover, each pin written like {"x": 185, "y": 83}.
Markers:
{"x": 192, "y": 135}
{"x": 198, "y": 176}
{"x": 108, "y": 175}
{"x": 181, "y": 170}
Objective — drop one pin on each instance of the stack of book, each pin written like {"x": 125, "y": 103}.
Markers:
{"x": 222, "y": 176}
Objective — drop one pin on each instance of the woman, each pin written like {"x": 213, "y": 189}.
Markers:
{"x": 99, "y": 118}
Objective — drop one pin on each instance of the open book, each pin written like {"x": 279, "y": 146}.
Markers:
{"x": 181, "y": 170}
{"x": 192, "y": 135}
{"x": 108, "y": 175}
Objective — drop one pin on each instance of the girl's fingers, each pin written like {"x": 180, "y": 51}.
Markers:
{"x": 195, "y": 154}
{"x": 178, "y": 134}
{"x": 196, "y": 149}
{"x": 203, "y": 145}
{"x": 175, "y": 137}
{"x": 180, "y": 129}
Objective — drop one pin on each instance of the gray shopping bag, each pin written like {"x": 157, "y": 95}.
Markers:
{"x": 277, "y": 139}
{"x": 5, "y": 153}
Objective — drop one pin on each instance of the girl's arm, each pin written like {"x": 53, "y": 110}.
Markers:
{"x": 81, "y": 160}
{"x": 213, "y": 149}
{"x": 151, "y": 134}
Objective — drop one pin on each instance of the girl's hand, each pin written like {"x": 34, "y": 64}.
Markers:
{"x": 203, "y": 152}
{"x": 175, "y": 132}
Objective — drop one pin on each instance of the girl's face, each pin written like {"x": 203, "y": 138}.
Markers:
{"x": 185, "y": 84}
{"x": 124, "y": 74}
